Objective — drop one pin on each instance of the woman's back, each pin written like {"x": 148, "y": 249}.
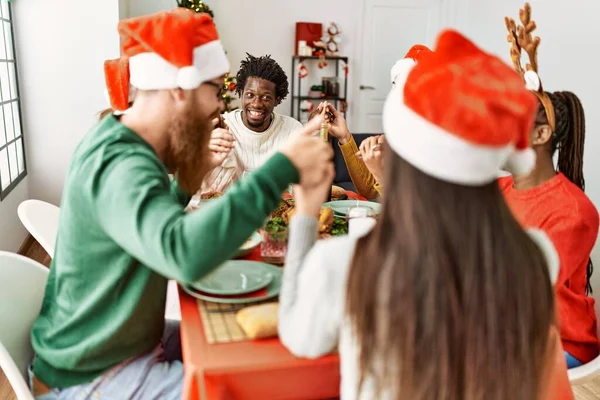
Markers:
{"x": 465, "y": 293}
{"x": 447, "y": 297}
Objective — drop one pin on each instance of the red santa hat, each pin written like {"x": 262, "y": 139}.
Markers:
{"x": 414, "y": 55}
{"x": 167, "y": 50}
{"x": 460, "y": 115}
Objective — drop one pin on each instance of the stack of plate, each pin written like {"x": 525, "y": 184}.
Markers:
{"x": 238, "y": 282}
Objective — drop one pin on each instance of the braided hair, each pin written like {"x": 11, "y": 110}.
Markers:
{"x": 568, "y": 138}
{"x": 265, "y": 68}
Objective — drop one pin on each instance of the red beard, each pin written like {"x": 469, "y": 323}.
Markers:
{"x": 189, "y": 150}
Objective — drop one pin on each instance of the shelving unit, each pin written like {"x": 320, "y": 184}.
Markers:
{"x": 298, "y": 97}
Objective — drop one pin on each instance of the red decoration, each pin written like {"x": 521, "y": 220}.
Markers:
{"x": 302, "y": 71}
{"x": 309, "y": 32}
{"x": 322, "y": 62}
{"x": 307, "y": 106}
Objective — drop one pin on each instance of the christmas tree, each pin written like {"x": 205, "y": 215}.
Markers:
{"x": 199, "y": 6}
{"x": 230, "y": 83}
{"x": 196, "y": 5}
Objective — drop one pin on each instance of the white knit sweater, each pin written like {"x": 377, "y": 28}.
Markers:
{"x": 312, "y": 302}
{"x": 251, "y": 150}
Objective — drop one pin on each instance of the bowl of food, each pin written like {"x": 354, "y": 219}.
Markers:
{"x": 331, "y": 225}
{"x": 249, "y": 245}
{"x": 273, "y": 248}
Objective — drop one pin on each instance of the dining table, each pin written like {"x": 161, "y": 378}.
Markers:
{"x": 251, "y": 369}
{"x": 264, "y": 369}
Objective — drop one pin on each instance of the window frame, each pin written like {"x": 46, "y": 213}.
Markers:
{"x": 4, "y": 193}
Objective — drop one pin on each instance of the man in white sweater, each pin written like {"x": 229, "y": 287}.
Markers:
{"x": 258, "y": 130}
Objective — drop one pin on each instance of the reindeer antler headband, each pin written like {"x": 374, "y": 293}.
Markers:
{"x": 520, "y": 38}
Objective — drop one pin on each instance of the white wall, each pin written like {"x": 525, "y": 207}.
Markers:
{"x": 143, "y": 7}
{"x": 262, "y": 27}
{"x": 123, "y": 9}
{"x": 61, "y": 47}
{"x": 12, "y": 232}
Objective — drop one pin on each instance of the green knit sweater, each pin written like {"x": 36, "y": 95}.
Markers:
{"x": 123, "y": 232}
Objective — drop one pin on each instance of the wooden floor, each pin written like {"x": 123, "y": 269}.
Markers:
{"x": 32, "y": 249}
{"x": 6, "y": 392}
{"x": 589, "y": 391}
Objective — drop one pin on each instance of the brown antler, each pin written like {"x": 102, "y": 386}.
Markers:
{"x": 526, "y": 39}
{"x": 521, "y": 37}
{"x": 515, "y": 50}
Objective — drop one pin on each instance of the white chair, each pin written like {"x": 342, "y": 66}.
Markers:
{"x": 172, "y": 310}
{"x": 41, "y": 220}
{"x": 591, "y": 370}
{"x": 22, "y": 285}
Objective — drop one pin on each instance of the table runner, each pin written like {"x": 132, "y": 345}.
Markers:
{"x": 219, "y": 321}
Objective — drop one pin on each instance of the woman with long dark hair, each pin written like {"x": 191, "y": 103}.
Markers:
{"x": 553, "y": 199}
{"x": 447, "y": 297}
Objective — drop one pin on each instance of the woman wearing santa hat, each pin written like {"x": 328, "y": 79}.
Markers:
{"x": 552, "y": 199}
{"x": 365, "y": 164}
{"x": 447, "y": 297}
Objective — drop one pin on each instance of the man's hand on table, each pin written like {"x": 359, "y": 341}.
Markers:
{"x": 220, "y": 144}
{"x": 310, "y": 155}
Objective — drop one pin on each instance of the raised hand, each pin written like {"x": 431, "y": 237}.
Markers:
{"x": 371, "y": 152}
{"x": 338, "y": 127}
{"x": 309, "y": 199}
{"x": 317, "y": 111}
{"x": 337, "y": 124}
{"x": 312, "y": 157}
{"x": 220, "y": 144}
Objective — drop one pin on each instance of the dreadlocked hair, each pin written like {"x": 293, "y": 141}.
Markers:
{"x": 569, "y": 139}
{"x": 569, "y": 135}
{"x": 264, "y": 68}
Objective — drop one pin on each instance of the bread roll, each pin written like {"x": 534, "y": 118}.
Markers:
{"x": 337, "y": 192}
{"x": 259, "y": 322}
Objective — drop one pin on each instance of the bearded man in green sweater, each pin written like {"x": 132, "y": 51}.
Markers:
{"x": 123, "y": 230}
